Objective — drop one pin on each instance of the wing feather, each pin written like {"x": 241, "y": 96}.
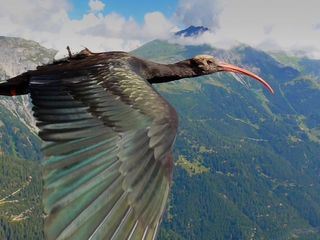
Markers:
{"x": 108, "y": 137}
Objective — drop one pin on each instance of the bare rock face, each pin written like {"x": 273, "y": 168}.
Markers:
{"x": 17, "y": 56}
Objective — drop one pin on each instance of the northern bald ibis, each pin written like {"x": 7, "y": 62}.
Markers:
{"x": 108, "y": 139}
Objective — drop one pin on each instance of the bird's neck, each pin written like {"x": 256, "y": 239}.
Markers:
{"x": 161, "y": 73}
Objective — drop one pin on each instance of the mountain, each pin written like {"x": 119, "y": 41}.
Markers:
{"x": 16, "y": 56}
{"x": 192, "y": 31}
{"x": 20, "y": 199}
{"x": 20, "y": 180}
{"x": 247, "y": 162}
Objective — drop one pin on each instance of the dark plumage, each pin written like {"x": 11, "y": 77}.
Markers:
{"x": 108, "y": 139}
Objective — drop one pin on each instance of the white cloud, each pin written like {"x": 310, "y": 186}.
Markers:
{"x": 48, "y": 23}
{"x": 96, "y": 5}
{"x": 208, "y": 37}
{"x": 291, "y": 25}
{"x": 34, "y": 15}
{"x": 156, "y": 25}
{"x": 199, "y": 12}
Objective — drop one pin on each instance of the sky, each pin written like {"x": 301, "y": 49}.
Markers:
{"x": 104, "y": 25}
{"x": 126, "y": 8}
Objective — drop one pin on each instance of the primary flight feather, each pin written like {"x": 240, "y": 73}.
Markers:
{"x": 108, "y": 140}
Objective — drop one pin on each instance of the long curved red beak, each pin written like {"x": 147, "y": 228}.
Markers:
{"x": 231, "y": 68}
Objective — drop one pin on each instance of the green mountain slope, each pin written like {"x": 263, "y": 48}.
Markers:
{"x": 247, "y": 163}
{"x": 20, "y": 199}
{"x": 261, "y": 150}
{"x": 20, "y": 180}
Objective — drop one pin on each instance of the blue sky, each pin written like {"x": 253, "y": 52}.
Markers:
{"x": 127, "y": 8}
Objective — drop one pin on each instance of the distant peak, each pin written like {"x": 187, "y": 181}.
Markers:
{"x": 192, "y": 31}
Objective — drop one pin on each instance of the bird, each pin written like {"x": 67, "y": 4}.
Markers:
{"x": 108, "y": 138}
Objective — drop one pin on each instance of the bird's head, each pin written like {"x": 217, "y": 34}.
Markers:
{"x": 206, "y": 64}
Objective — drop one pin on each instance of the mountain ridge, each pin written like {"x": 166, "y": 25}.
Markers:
{"x": 192, "y": 31}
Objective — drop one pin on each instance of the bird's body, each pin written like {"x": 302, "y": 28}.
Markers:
{"x": 108, "y": 141}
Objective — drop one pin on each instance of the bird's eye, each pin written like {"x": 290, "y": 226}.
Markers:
{"x": 209, "y": 61}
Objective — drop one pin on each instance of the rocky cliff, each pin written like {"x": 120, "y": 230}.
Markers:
{"x": 17, "y": 126}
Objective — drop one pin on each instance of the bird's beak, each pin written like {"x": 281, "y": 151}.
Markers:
{"x": 231, "y": 68}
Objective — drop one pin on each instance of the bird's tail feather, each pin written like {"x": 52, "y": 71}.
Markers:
{"x": 15, "y": 86}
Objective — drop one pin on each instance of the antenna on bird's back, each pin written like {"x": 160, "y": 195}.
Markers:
{"x": 82, "y": 54}
{"x": 69, "y": 52}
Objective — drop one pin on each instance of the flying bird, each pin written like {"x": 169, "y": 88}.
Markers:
{"x": 108, "y": 138}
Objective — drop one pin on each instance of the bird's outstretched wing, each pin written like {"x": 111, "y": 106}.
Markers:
{"x": 108, "y": 137}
